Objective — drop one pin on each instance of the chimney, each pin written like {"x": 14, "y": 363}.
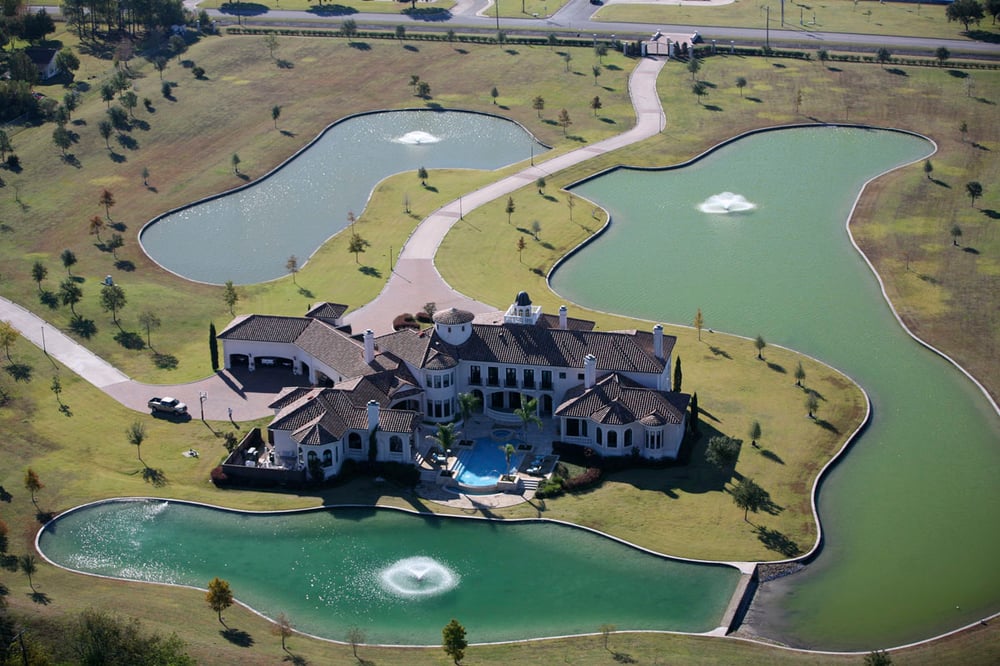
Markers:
{"x": 589, "y": 371}
{"x": 658, "y": 341}
{"x": 562, "y": 317}
{"x": 372, "y": 415}
{"x": 369, "y": 346}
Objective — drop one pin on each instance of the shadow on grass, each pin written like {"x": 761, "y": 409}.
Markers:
{"x": 720, "y": 352}
{"x": 777, "y": 368}
{"x": 41, "y": 598}
{"x": 778, "y": 542}
{"x": 237, "y": 637}
{"x": 359, "y": 46}
{"x": 755, "y": 100}
{"x": 297, "y": 660}
{"x": 771, "y": 455}
{"x": 157, "y": 477}
{"x": 958, "y": 74}
{"x": 992, "y": 214}
{"x": 165, "y": 361}
{"x": 332, "y": 10}
{"x": 826, "y": 425}
{"x": 370, "y": 271}
{"x": 21, "y": 372}
{"x": 306, "y": 292}
{"x": 940, "y": 183}
{"x": 970, "y": 250}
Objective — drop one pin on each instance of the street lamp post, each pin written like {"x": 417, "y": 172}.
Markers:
{"x": 202, "y": 397}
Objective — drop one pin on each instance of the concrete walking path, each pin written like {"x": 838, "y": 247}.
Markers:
{"x": 414, "y": 282}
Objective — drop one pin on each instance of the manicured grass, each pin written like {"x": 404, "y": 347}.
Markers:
{"x": 867, "y": 17}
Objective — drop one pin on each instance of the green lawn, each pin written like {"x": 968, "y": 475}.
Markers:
{"x": 865, "y": 17}
{"x": 186, "y": 142}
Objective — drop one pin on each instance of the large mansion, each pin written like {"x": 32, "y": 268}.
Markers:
{"x": 608, "y": 390}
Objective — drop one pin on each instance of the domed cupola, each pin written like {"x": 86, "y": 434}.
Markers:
{"x": 522, "y": 311}
{"x": 454, "y": 326}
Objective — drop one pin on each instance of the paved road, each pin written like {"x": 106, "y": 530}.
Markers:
{"x": 415, "y": 280}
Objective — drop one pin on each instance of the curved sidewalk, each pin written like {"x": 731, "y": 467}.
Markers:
{"x": 415, "y": 280}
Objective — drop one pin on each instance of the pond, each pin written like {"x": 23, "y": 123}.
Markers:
{"x": 399, "y": 577}
{"x": 908, "y": 549}
{"x": 248, "y": 235}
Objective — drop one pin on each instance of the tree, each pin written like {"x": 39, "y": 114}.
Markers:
{"x": 993, "y": 9}
{"x": 414, "y": 80}
{"x": 424, "y": 90}
{"x": 107, "y": 200}
{"x": 235, "y": 159}
{"x": 349, "y": 28}
{"x": 956, "y": 233}
{"x": 213, "y": 346}
{"x": 596, "y": 104}
{"x": 508, "y": 452}
{"x": 678, "y": 375}
{"x": 975, "y": 190}
{"x": 759, "y": 343}
{"x": 62, "y": 138}
{"x": 693, "y": 66}
{"x": 422, "y": 175}
{"x": 883, "y": 56}
{"x": 400, "y": 32}
{"x": 149, "y": 321}
{"x": 699, "y": 322}
{"x": 231, "y": 297}
{"x": 106, "y": 129}
{"x": 56, "y": 388}
{"x": 160, "y": 64}
{"x": 536, "y": 227}
{"x": 723, "y": 451}
{"x": 445, "y": 437}
{"x": 282, "y": 628}
{"x": 749, "y": 496}
{"x": 540, "y": 184}
{"x": 32, "y": 484}
{"x": 70, "y": 294}
{"x": 606, "y": 631}
{"x": 68, "y": 258}
{"x": 430, "y": 307}
{"x": 509, "y": 209}
{"x": 600, "y": 51}
{"x": 8, "y": 336}
{"x": 468, "y": 403}
{"x": 99, "y": 637}
{"x": 355, "y": 636}
{"x": 699, "y": 89}
{"x": 28, "y": 566}
{"x": 130, "y": 100}
{"x": 693, "y": 407}
{"x": 136, "y": 434}
{"x": 275, "y": 114}
{"x": 96, "y": 224}
{"x": 878, "y": 658}
{"x": 112, "y": 300}
{"x": 942, "y": 54}
{"x": 357, "y": 245}
{"x": 115, "y": 242}
{"x": 754, "y": 433}
{"x": 596, "y": 69}
{"x": 351, "y": 219}
{"x": 963, "y": 129}
{"x": 5, "y": 145}
{"x": 219, "y": 596}
{"x": 812, "y": 404}
{"x": 571, "y": 203}
{"x": 965, "y": 12}
{"x": 928, "y": 169}
{"x": 38, "y": 273}
{"x": 292, "y": 266}
{"x": 453, "y": 640}
{"x": 494, "y": 93}
{"x": 800, "y": 374}
{"x": 538, "y": 104}
{"x": 741, "y": 83}
{"x": 271, "y": 42}
{"x": 567, "y": 58}
{"x": 520, "y": 248}
{"x": 564, "y": 120}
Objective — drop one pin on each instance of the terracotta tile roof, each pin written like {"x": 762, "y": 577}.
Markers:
{"x": 264, "y": 328}
{"x": 617, "y": 400}
{"x": 331, "y": 413}
{"x": 453, "y": 316}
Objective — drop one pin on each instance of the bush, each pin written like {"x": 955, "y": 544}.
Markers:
{"x": 552, "y": 487}
{"x": 424, "y": 318}
{"x": 404, "y": 320}
{"x": 199, "y": 72}
{"x": 218, "y": 476}
{"x": 589, "y": 479}
{"x": 401, "y": 473}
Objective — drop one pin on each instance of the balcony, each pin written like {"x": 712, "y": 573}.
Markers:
{"x": 493, "y": 381}
{"x": 510, "y": 383}
{"x": 546, "y": 385}
{"x": 476, "y": 381}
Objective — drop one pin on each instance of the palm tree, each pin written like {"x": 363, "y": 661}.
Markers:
{"x": 446, "y": 436}
{"x": 136, "y": 433}
{"x": 508, "y": 452}
{"x": 467, "y": 405}
{"x": 28, "y": 566}
{"x": 528, "y": 413}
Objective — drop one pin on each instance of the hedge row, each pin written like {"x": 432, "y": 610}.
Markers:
{"x": 362, "y": 35}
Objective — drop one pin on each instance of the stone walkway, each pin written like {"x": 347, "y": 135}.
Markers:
{"x": 414, "y": 280}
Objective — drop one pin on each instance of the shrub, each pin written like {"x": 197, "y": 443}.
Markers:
{"x": 400, "y": 473}
{"x": 404, "y": 320}
{"x": 552, "y": 487}
{"x": 218, "y": 476}
{"x": 424, "y": 318}
{"x": 589, "y": 479}
{"x": 199, "y": 72}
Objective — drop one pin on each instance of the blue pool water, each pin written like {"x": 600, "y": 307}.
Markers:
{"x": 483, "y": 464}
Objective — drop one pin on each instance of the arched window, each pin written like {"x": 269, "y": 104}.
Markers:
{"x": 328, "y": 458}
{"x": 628, "y": 438}
{"x": 354, "y": 441}
{"x": 312, "y": 456}
{"x": 395, "y": 444}
{"x": 600, "y": 436}
{"x": 612, "y": 439}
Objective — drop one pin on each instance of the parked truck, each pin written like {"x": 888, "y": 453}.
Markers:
{"x": 167, "y": 405}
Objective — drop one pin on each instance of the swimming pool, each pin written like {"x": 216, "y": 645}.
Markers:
{"x": 483, "y": 464}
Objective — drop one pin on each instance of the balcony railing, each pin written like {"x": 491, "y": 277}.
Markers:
{"x": 476, "y": 381}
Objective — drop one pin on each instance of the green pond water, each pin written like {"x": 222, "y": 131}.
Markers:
{"x": 399, "y": 577}
{"x": 910, "y": 515}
